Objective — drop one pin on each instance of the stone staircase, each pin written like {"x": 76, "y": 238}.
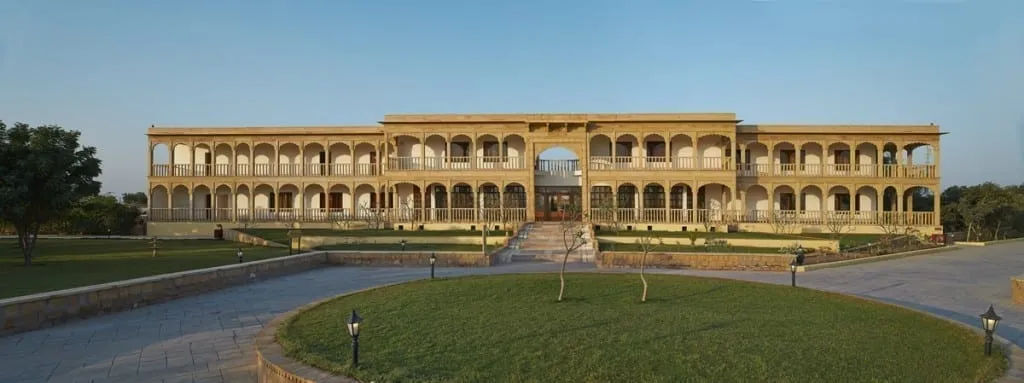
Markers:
{"x": 542, "y": 242}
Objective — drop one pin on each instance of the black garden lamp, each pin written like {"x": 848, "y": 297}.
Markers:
{"x": 989, "y": 321}
{"x": 353, "y": 330}
{"x": 241, "y": 257}
{"x": 433, "y": 260}
{"x": 792, "y": 272}
{"x": 403, "y": 245}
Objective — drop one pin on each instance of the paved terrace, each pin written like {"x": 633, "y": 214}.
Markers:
{"x": 209, "y": 338}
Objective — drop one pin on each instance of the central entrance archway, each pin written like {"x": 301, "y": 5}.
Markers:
{"x": 557, "y": 184}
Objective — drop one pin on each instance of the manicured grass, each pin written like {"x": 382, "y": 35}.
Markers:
{"x": 408, "y": 247}
{"x": 66, "y": 263}
{"x": 509, "y": 328}
{"x": 686, "y": 248}
{"x": 281, "y": 235}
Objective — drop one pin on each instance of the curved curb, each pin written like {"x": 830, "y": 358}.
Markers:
{"x": 273, "y": 366}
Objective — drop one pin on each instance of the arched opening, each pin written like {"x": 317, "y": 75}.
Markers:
{"x": 682, "y": 152}
{"x": 840, "y": 202}
{"x": 462, "y": 203}
{"x": 404, "y": 153}
{"x": 435, "y": 150}
{"x": 714, "y": 151}
{"x": 627, "y": 202}
{"x": 263, "y": 160}
{"x": 339, "y": 203}
{"x": 784, "y": 204}
{"x": 289, "y": 160}
{"x": 713, "y": 199}
{"x": 654, "y": 203}
{"x": 438, "y": 201}
{"x": 315, "y": 159}
{"x": 490, "y": 152}
{"x": 514, "y": 151}
{"x": 160, "y": 157}
{"x": 919, "y": 206}
{"x": 289, "y": 202}
{"x": 811, "y": 159}
{"x": 366, "y": 200}
{"x": 264, "y": 202}
{"x": 558, "y": 183}
{"x": 602, "y": 203}
{"x": 515, "y": 202}
{"x": 600, "y": 152}
{"x": 159, "y": 204}
{"x": 181, "y": 204}
{"x": 314, "y": 203}
{"x": 785, "y": 158}
{"x": 890, "y": 160}
{"x": 366, "y": 159}
{"x": 222, "y": 156}
{"x": 920, "y": 160}
{"x": 203, "y": 157}
{"x": 408, "y": 200}
{"x": 865, "y": 159}
{"x": 865, "y": 204}
{"x": 181, "y": 160}
{"x": 243, "y": 156}
{"x": 680, "y": 202}
{"x": 757, "y": 204}
{"x": 461, "y": 149}
{"x": 839, "y": 159}
{"x": 811, "y": 204}
{"x": 489, "y": 200}
{"x": 756, "y": 160}
{"x": 243, "y": 200}
{"x": 627, "y": 148}
{"x": 655, "y": 151}
{"x": 222, "y": 199}
{"x": 340, "y": 159}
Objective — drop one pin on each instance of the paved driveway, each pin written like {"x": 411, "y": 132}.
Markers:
{"x": 209, "y": 338}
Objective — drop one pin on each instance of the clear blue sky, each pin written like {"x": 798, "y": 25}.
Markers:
{"x": 111, "y": 68}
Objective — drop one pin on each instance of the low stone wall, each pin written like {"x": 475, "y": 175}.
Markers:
{"x": 700, "y": 261}
{"x": 35, "y": 311}
{"x": 409, "y": 258}
{"x": 742, "y": 242}
{"x": 309, "y": 242}
{"x": 1017, "y": 289}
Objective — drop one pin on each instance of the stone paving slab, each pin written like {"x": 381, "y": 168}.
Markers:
{"x": 209, "y": 338}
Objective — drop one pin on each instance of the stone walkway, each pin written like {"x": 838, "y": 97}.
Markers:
{"x": 209, "y": 338}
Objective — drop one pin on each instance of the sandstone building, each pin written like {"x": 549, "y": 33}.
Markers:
{"x": 638, "y": 171}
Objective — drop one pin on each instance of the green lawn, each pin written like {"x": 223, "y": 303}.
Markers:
{"x": 281, "y": 235}
{"x": 684, "y": 247}
{"x": 408, "y": 247}
{"x": 509, "y": 328}
{"x": 66, "y": 263}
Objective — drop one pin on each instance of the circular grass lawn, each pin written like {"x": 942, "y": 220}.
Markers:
{"x": 510, "y": 328}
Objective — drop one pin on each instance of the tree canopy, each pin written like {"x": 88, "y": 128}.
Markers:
{"x": 984, "y": 212}
{"x": 44, "y": 171}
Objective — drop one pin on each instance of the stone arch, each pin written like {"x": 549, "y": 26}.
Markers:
{"x": 812, "y": 198}
{"x": 866, "y": 199}
{"x": 712, "y": 149}
{"x": 514, "y": 151}
{"x": 920, "y": 160}
{"x": 757, "y": 199}
{"x": 654, "y": 202}
{"x": 223, "y": 154}
{"x": 160, "y": 157}
{"x": 181, "y": 160}
{"x": 681, "y": 148}
{"x": 264, "y": 155}
{"x": 839, "y": 199}
{"x": 681, "y": 196}
{"x": 435, "y": 149}
{"x": 812, "y": 155}
{"x": 365, "y": 156}
{"x": 242, "y": 158}
{"x": 243, "y": 198}
{"x": 785, "y": 198}
{"x": 314, "y": 159}
{"x": 654, "y": 149}
{"x": 159, "y": 202}
{"x": 438, "y": 201}
{"x": 181, "y": 203}
{"x": 757, "y": 155}
{"x": 600, "y": 152}
{"x": 202, "y": 159}
{"x": 865, "y": 158}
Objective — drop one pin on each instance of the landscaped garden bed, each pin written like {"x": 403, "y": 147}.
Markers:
{"x": 510, "y": 328}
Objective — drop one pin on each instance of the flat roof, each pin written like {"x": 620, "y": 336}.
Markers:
{"x": 262, "y": 130}
{"x": 558, "y": 117}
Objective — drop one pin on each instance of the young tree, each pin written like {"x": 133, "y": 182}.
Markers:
{"x": 647, "y": 242}
{"x": 839, "y": 226}
{"x": 43, "y": 171}
{"x": 573, "y": 239}
{"x": 781, "y": 222}
{"x": 374, "y": 217}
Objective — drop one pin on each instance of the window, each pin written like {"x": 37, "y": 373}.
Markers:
{"x": 460, "y": 152}
{"x": 842, "y": 157}
{"x": 787, "y": 201}
{"x": 495, "y": 153}
{"x": 627, "y": 197}
{"x": 787, "y": 156}
{"x": 336, "y": 199}
{"x": 654, "y": 197}
{"x": 624, "y": 149}
{"x": 286, "y": 200}
{"x": 601, "y": 197}
{"x": 676, "y": 197}
{"x": 656, "y": 149}
{"x": 841, "y": 202}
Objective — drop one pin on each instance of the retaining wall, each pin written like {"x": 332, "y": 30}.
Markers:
{"x": 717, "y": 261}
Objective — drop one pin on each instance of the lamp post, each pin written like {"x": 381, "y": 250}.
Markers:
{"x": 353, "y": 330}
{"x": 240, "y": 255}
{"x": 433, "y": 260}
{"x": 989, "y": 320}
{"x": 792, "y": 272}
{"x": 403, "y": 244}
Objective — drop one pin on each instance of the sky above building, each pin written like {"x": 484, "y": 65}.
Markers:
{"x": 112, "y": 68}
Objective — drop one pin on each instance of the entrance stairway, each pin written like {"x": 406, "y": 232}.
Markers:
{"x": 543, "y": 241}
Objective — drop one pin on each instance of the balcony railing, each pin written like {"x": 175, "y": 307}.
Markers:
{"x": 497, "y": 216}
{"x": 636, "y": 162}
{"x": 455, "y": 163}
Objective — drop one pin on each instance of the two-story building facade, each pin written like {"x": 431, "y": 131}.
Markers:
{"x": 638, "y": 171}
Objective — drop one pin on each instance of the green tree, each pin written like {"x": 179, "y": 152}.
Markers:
{"x": 43, "y": 172}
{"x": 137, "y": 199}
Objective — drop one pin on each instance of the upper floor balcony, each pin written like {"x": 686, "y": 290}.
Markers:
{"x": 456, "y": 163}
